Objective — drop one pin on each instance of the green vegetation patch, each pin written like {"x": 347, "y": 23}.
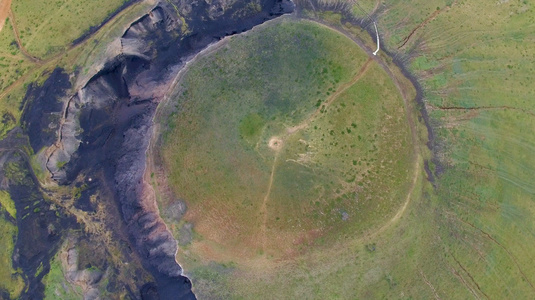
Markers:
{"x": 8, "y": 204}
{"x": 251, "y": 126}
{"x": 56, "y": 286}
{"x": 471, "y": 235}
{"x": 12, "y": 280}
{"x": 13, "y": 66}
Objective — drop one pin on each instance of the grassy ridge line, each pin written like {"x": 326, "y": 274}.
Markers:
{"x": 17, "y": 73}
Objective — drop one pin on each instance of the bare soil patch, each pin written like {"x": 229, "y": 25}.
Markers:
{"x": 5, "y": 5}
{"x": 275, "y": 143}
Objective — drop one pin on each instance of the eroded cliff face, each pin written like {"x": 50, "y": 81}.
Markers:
{"x": 104, "y": 128}
{"x": 40, "y": 223}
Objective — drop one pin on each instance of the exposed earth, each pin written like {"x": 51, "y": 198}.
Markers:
{"x": 5, "y": 5}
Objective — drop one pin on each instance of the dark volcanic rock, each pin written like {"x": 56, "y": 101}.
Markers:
{"x": 108, "y": 122}
{"x": 44, "y": 105}
{"x": 149, "y": 291}
{"x": 40, "y": 224}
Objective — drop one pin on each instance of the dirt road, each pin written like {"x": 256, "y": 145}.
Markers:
{"x": 5, "y": 5}
{"x": 19, "y": 42}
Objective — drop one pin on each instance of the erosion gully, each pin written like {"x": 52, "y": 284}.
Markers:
{"x": 101, "y": 133}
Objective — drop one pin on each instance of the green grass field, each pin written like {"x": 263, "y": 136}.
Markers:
{"x": 470, "y": 236}
{"x": 12, "y": 63}
{"x": 57, "y": 287}
{"x": 12, "y": 281}
{"x": 48, "y": 27}
{"x": 285, "y": 141}
{"x": 474, "y": 55}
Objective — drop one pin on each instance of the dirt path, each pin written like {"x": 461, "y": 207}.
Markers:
{"x": 424, "y": 23}
{"x": 19, "y": 42}
{"x": 53, "y": 59}
{"x": 417, "y": 169}
{"x": 401, "y": 211}
{"x": 435, "y": 294}
{"x": 376, "y": 7}
{"x": 5, "y": 6}
{"x": 331, "y": 99}
{"x": 277, "y": 143}
{"x": 263, "y": 209}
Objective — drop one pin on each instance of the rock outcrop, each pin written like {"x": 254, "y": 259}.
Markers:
{"x": 86, "y": 279}
{"x": 106, "y": 125}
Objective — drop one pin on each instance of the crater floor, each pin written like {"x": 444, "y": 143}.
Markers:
{"x": 285, "y": 140}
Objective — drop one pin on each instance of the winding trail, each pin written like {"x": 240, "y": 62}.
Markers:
{"x": 424, "y": 23}
{"x": 401, "y": 211}
{"x": 435, "y": 294}
{"x": 417, "y": 168}
{"x": 263, "y": 209}
{"x": 19, "y": 42}
{"x": 330, "y": 100}
{"x": 277, "y": 143}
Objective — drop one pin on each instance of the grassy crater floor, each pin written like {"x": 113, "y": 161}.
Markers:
{"x": 284, "y": 141}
